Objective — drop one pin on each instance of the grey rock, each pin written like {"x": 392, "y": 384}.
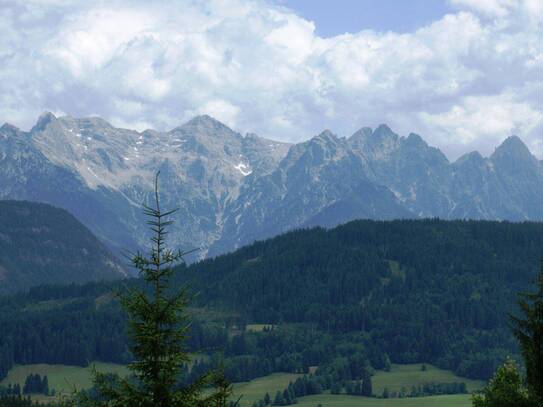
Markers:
{"x": 232, "y": 189}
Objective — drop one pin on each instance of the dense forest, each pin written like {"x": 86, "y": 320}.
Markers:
{"x": 42, "y": 244}
{"x": 401, "y": 291}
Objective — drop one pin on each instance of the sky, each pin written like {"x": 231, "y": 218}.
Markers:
{"x": 464, "y": 74}
{"x": 351, "y": 16}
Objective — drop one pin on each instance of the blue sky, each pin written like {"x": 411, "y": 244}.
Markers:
{"x": 341, "y": 16}
{"x": 464, "y": 74}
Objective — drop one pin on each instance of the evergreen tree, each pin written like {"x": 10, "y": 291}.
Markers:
{"x": 335, "y": 388}
{"x": 358, "y": 388}
{"x": 505, "y": 389}
{"x": 385, "y": 393}
{"x": 278, "y": 400}
{"x": 367, "y": 388}
{"x": 158, "y": 326}
{"x": 529, "y": 332}
{"x": 286, "y": 398}
{"x": 45, "y": 385}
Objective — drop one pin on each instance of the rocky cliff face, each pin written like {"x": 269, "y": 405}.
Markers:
{"x": 231, "y": 189}
{"x": 103, "y": 174}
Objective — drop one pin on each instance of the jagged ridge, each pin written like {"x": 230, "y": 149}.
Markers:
{"x": 232, "y": 189}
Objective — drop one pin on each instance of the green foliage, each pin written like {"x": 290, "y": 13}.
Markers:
{"x": 34, "y": 383}
{"x": 158, "y": 326}
{"x": 504, "y": 390}
{"x": 444, "y": 300}
{"x": 10, "y": 390}
{"x": 366, "y": 387}
{"x": 19, "y": 401}
{"x": 529, "y": 332}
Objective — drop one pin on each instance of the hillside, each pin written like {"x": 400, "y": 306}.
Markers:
{"x": 232, "y": 189}
{"x": 41, "y": 244}
{"x": 410, "y": 291}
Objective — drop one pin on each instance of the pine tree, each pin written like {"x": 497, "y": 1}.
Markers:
{"x": 158, "y": 326}
{"x": 529, "y": 332}
{"x": 385, "y": 393}
{"x": 367, "y": 388}
{"x": 505, "y": 389}
{"x": 278, "y": 400}
{"x": 335, "y": 388}
{"x": 45, "y": 385}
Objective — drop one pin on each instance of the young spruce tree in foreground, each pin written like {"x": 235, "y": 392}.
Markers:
{"x": 529, "y": 332}
{"x": 158, "y": 325}
{"x": 507, "y": 389}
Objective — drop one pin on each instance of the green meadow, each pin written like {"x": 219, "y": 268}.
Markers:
{"x": 399, "y": 376}
{"x": 64, "y": 379}
{"x": 256, "y": 389}
{"x": 328, "y": 400}
{"x": 412, "y": 375}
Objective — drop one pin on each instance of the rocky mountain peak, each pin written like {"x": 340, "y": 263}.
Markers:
{"x": 44, "y": 120}
{"x": 206, "y": 124}
{"x": 512, "y": 146}
{"x": 9, "y": 129}
{"x": 472, "y": 157}
{"x": 361, "y": 134}
{"x": 512, "y": 159}
{"x": 416, "y": 140}
{"x": 227, "y": 184}
{"x": 376, "y": 144}
{"x": 327, "y": 136}
{"x": 383, "y": 132}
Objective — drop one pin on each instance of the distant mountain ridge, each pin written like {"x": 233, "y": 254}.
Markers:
{"x": 232, "y": 189}
{"x": 41, "y": 244}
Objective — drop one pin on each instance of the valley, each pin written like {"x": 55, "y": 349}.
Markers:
{"x": 366, "y": 297}
{"x": 271, "y": 203}
{"x": 63, "y": 379}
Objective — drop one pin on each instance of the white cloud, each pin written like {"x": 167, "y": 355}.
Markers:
{"x": 491, "y": 8}
{"x": 466, "y": 81}
{"x": 480, "y": 120}
{"x": 221, "y": 110}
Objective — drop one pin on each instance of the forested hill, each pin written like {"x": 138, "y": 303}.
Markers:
{"x": 413, "y": 291}
{"x": 43, "y": 244}
{"x": 426, "y": 290}
{"x": 305, "y": 275}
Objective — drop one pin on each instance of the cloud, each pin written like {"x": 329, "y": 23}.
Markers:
{"x": 465, "y": 81}
{"x": 483, "y": 120}
{"x": 490, "y": 8}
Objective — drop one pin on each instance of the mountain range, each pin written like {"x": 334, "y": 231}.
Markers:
{"x": 232, "y": 189}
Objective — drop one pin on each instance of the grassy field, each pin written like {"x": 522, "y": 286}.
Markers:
{"x": 257, "y": 327}
{"x": 399, "y": 376}
{"x": 412, "y": 375}
{"x": 256, "y": 389}
{"x": 327, "y": 400}
{"x": 62, "y": 378}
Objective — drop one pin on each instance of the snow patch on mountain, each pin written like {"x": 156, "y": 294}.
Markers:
{"x": 244, "y": 169}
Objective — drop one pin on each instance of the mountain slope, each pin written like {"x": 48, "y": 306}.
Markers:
{"x": 319, "y": 182}
{"x": 103, "y": 174}
{"x": 40, "y": 244}
{"x": 232, "y": 189}
{"x": 421, "y": 291}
